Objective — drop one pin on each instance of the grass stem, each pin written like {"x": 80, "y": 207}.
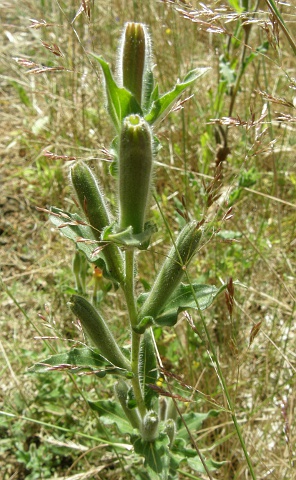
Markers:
{"x": 223, "y": 384}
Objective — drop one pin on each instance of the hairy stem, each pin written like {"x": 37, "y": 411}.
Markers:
{"x": 129, "y": 292}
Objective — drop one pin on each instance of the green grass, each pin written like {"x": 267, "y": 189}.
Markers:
{"x": 47, "y": 430}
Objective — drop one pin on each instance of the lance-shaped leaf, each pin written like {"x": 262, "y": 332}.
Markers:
{"x": 77, "y": 360}
{"x": 194, "y": 421}
{"x": 111, "y": 413}
{"x": 183, "y": 298}
{"x": 75, "y": 228}
{"x": 156, "y": 454}
{"x": 162, "y": 105}
{"x": 126, "y": 238}
{"x": 196, "y": 464}
{"x": 181, "y": 453}
{"x": 120, "y": 102}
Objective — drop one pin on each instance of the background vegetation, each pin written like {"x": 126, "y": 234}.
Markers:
{"x": 239, "y": 129}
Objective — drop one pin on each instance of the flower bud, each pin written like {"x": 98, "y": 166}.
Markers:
{"x": 135, "y": 172}
{"x": 92, "y": 203}
{"x": 148, "y": 368}
{"x": 172, "y": 270}
{"x": 149, "y": 428}
{"x": 121, "y": 390}
{"x": 134, "y": 58}
{"x": 98, "y": 332}
{"x": 170, "y": 430}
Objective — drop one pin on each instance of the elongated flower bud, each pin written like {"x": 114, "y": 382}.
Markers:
{"x": 149, "y": 428}
{"x": 148, "y": 368}
{"x": 170, "y": 430}
{"x": 98, "y": 331}
{"x": 172, "y": 270}
{"x": 134, "y": 58}
{"x": 79, "y": 270}
{"x": 162, "y": 408}
{"x": 121, "y": 390}
{"x": 172, "y": 412}
{"x": 92, "y": 203}
{"x": 135, "y": 172}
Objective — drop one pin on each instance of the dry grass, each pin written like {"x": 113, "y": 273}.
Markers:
{"x": 51, "y": 100}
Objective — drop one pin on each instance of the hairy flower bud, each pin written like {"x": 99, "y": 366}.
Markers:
{"x": 149, "y": 428}
{"x": 135, "y": 172}
{"x": 92, "y": 203}
{"x": 172, "y": 270}
{"x": 98, "y": 332}
{"x": 170, "y": 430}
{"x": 134, "y": 58}
{"x": 121, "y": 390}
{"x": 148, "y": 368}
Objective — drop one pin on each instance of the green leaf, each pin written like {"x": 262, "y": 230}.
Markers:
{"x": 236, "y": 5}
{"x": 120, "y": 102}
{"x": 148, "y": 91}
{"x": 127, "y": 238}
{"x": 180, "y": 454}
{"x": 77, "y": 360}
{"x": 156, "y": 454}
{"x": 75, "y": 228}
{"x": 183, "y": 298}
{"x": 262, "y": 49}
{"x": 193, "y": 421}
{"x": 24, "y": 98}
{"x": 227, "y": 71}
{"x": 162, "y": 104}
{"x": 111, "y": 413}
{"x": 196, "y": 464}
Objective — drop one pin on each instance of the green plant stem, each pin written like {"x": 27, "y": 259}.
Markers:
{"x": 129, "y": 289}
{"x": 129, "y": 292}
{"x": 223, "y": 384}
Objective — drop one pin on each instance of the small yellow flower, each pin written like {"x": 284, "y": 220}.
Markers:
{"x": 159, "y": 382}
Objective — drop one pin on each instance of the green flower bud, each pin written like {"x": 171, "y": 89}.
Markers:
{"x": 170, "y": 430}
{"x": 172, "y": 412}
{"x": 92, "y": 203}
{"x": 149, "y": 428}
{"x": 121, "y": 390}
{"x": 134, "y": 59}
{"x": 172, "y": 270}
{"x": 98, "y": 331}
{"x": 148, "y": 368}
{"x": 79, "y": 270}
{"x": 135, "y": 172}
{"x": 162, "y": 408}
